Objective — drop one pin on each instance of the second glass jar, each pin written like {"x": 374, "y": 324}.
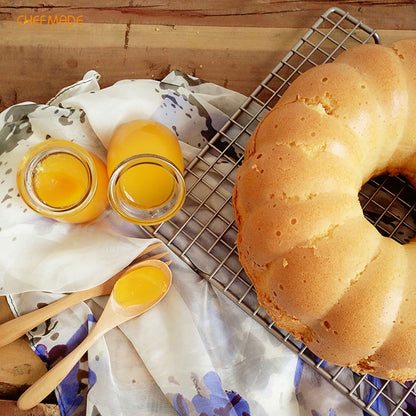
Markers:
{"x": 145, "y": 166}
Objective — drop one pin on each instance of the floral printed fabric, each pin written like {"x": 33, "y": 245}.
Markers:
{"x": 195, "y": 351}
{"x": 216, "y": 400}
{"x": 196, "y": 354}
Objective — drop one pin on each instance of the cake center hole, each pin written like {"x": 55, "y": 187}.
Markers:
{"x": 389, "y": 203}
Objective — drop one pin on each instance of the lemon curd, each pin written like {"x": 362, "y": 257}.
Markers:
{"x": 141, "y": 285}
{"x": 143, "y": 137}
{"x": 61, "y": 180}
{"x": 147, "y": 186}
{"x": 145, "y": 166}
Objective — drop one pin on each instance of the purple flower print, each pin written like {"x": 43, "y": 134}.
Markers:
{"x": 76, "y": 384}
{"x": 239, "y": 404}
{"x": 331, "y": 413}
{"x": 180, "y": 404}
{"x": 379, "y": 404}
{"x": 215, "y": 403}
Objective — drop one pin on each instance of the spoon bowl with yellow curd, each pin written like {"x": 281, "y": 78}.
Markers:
{"x": 140, "y": 288}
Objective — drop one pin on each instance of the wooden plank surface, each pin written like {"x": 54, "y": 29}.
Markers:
{"x": 243, "y": 13}
{"x": 19, "y": 368}
{"x": 232, "y": 43}
{"x": 8, "y": 408}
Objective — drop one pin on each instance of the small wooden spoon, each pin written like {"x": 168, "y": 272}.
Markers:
{"x": 113, "y": 315}
{"x": 15, "y": 328}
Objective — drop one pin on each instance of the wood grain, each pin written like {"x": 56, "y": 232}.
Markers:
{"x": 232, "y": 43}
{"x": 20, "y": 367}
{"x": 9, "y": 408}
{"x": 243, "y": 13}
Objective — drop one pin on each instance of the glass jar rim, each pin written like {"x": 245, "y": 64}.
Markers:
{"x": 39, "y": 152}
{"x": 151, "y": 216}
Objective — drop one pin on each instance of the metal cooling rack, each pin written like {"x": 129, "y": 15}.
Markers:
{"x": 203, "y": 233}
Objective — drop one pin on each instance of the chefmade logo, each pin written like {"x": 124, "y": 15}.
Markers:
{"x": 44, "y": 20}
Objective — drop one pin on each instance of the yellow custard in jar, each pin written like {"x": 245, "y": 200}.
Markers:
{"x": 143, "y": 137}
{"x": 61, "y": 180}
{"x": 145, "y": 164}
{"x": 146, "y": 185}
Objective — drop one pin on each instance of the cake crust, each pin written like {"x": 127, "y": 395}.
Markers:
{"x": 320, "y": 269}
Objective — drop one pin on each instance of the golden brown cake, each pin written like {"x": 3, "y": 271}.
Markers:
{"x": 320, "y": 269}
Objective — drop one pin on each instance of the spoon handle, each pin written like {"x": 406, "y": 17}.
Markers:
{"x": 15, "y": 328}
{"x": 42, "y": 387}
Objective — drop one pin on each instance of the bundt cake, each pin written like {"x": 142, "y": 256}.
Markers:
{"x": 320, "y": 269}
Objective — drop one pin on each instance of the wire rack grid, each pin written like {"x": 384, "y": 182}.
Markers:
{"x": 203, "y": 233}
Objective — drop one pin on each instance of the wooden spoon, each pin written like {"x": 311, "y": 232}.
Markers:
{"x": 15, "y": 328}
{"x": 113, "y": 315}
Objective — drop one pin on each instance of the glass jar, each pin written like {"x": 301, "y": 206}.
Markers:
{"x": 61, "y": 180}
{"x": 146, "y": 189}
{"x": 145, "y": 167}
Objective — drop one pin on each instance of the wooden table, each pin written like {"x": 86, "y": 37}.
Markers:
{"x": 233, "y": 43}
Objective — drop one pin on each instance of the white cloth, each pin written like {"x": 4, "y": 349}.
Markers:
{"x": 196, "y": 353}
